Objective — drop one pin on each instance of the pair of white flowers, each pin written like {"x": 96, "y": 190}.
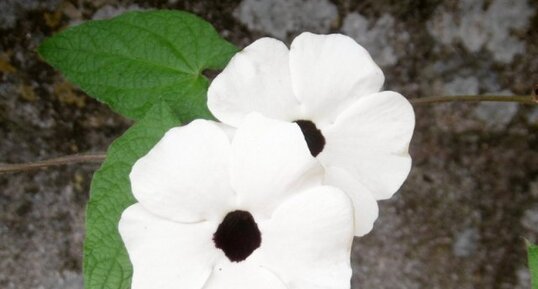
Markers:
{"x": 272, "y": 196}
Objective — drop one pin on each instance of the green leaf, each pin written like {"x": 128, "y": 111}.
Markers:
{"x": 533, "y": 264}
{"x": 136, "y": 60}
{"x": 106, "y": 263}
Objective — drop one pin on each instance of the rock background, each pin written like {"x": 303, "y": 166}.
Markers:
{"x": 458, "y": 222}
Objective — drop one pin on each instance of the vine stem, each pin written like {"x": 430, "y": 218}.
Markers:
{"x": 59, "y": 161}
{"x": 99, "y": 157}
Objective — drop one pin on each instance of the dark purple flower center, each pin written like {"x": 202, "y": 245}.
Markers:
{"x": 312, "y": 135}
{"x": 238, "y": 235}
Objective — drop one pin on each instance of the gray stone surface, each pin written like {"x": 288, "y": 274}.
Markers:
{"x": 109, "y": 11}
{"x": 477, "y": 27}
{"x": 494, "y": 115}
{"x": 381, "y": 36}
{"x": 278, "y": 18}
{"x": 12, "y": 10}
{"x": 459, "y": 220}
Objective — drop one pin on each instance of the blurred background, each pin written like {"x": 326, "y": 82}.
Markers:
{"x": 459, "y": 220}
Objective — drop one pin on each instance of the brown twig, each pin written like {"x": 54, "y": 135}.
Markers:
{"x": 99, "y": 157}
{"x": 64, "y": 160}
{"x": 527, "y": 99}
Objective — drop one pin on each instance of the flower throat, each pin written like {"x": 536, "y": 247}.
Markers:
{"x": 312, "y": 135}
{"x": 237, "y": 236}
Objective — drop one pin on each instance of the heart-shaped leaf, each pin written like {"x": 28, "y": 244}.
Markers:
{"x": 106, "y": 263}
{"x": 138, "y": 59}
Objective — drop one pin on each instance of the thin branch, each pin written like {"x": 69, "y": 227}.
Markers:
{"x": 64, "y": 160}
{"x": 100, "y": 157}
{"x": 527, "y": 99}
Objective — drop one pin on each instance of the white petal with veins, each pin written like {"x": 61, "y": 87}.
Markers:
{"x": 329, "y": 72}
{"x": 256, "y": 79}
{"x": 185, "y": 175}
{"x": 243, "y": 275}
{"x": 166, "y": 254}
{"x": 366, "y": 209}
{"x": 308, "y": 241}
{"x": 270, "y": 162}
{"x": 371, "y": 140}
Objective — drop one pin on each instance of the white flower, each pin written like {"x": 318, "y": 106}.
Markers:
{"x": 329, "y": 85}
{"x": 250, "y": 212}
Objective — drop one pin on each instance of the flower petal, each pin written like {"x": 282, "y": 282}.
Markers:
{"x": 307, "y": 242}
{"x": 227, "y": 129}
{"x": 270, "y": 161}
{"x": 371, "y": 140}
{"x": 242, "y": 276}
{"x": 185, "y": 176}
{"x": 256, "y": 79}
{"x": 328, "y": 72}
{"x": 166, "y": 254}
{"x": 365, "y": 206}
